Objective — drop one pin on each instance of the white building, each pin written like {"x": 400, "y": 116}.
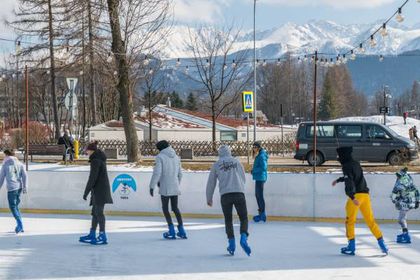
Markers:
{"x": 112, "y": 130}
{"x": 182, "y": 125}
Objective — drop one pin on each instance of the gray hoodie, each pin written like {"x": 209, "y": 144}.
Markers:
{"x": 167, "y": 172}
{"x": 14, "y": 173}
{"x": 230, "y": 173}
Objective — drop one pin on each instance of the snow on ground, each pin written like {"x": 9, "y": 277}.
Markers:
{"x": 396, "y": 123}
{"x": 49, "y": 249}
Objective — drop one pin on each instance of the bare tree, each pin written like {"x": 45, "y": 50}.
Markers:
{"x": 219, "y": 69}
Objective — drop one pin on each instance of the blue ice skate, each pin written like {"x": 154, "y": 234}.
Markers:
{"x": 171, "y": 233}
{"x": 260, "y": 218}
{"x": 88, "y": 238}
{"x": 382, "y": 245}
{"x": 19, "y": 227}
{"x": 350, "y": 249}
{"x": 404, "y": 238}
{"x": 231, "y": 246}
{"x": 181, "y": 232}
{"x": 244, "y": 244}
{"x": 257, "y": 218}
{"x": 101, "y": 240}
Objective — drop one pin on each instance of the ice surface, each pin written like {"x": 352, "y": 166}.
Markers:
{"x": 49, "y": 249}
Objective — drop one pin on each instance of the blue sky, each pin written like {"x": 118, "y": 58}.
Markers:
{"x": 273, "y": 13}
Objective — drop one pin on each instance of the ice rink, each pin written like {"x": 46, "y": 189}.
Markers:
{"x": 49, "y": 249}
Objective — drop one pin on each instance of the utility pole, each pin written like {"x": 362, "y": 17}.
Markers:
{"x": 315, "y": 111}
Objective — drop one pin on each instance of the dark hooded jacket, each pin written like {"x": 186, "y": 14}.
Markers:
{"x": 98, "y": 183}
{"x": 353, "y": 174}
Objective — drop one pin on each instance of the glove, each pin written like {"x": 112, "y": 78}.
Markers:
{"x": 24, "y": 190}
{"x": 151, "y": 192}
{"x": 158, "y": 185}
{"x": 417, "y": 205}
{"x": 85, "y": 197}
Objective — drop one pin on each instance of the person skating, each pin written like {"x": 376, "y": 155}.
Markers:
{"x": 406, "y": 197}
{"x": 259, "y": 175}
{"x": 358, "y": 198}
{"x": 13, "y": 172}
{"x": 231, "y": 176}
{"x": 167, "y": 176}
{"x": 100, "y": 194}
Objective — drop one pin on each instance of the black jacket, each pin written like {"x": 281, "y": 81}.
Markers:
{"x": 353, "y": 174}
{"x": 98, "y": 183}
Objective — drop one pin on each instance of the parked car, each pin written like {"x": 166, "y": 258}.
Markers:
{"x": 371, "y": 142}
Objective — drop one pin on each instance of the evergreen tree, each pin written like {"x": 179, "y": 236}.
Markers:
{"x": 176, "y": 101}
{"x": 191, "y": 102}
{"x": 328, "y": 108}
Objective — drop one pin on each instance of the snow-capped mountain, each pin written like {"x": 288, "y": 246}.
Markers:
{"x": 324, "y": 36}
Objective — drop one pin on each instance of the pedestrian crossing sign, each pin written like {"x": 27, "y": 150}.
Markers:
{"x": 248, "y": 101}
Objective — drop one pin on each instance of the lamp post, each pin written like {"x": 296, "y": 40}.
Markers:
{"x": 255, "y": 76}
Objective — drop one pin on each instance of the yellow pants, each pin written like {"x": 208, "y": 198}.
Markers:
{"x": 366, "y": 209}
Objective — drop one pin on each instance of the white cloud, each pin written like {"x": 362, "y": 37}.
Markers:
{"x": 339, "y": 4}
{"x": 206, "y": 11}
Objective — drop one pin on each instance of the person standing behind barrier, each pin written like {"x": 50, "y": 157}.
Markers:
{"x": 259, "y": 175}
{"x": 231, "y": 176}
{"x": 358, "y": 193}
{"x": 100, "y": 194}
{"x": 67, "y": 141}
{"x": 13, "y": 172}
{"x": 167, "y": 176}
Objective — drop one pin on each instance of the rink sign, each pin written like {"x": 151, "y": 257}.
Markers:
{"x": 124, "y": 184}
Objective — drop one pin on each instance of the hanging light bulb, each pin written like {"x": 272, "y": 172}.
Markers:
{"x": 187, "y": 69}
{"x": 18, "y": 48}
{"x": 178, "y": 62}
{"x": 352, "y": 55}
{"x": 361, "y": 49}
{"x": 109, "y": 58}
{"x": 224, "y": 66}
{"x": 150, "y": 71}
{"x": 381, "y": 58}
{"x": 146, "y": 61}
{"x": 305, "y": 58}
{"x": 264, "y": 62}
{"x": 234, "y": 64}
{"x": 400, "y": 17}
{"x": 207, "y": 63}
{"x": 372, "y": 41}
{"x": 278, "y": 61}
{"x": 384, "y": 31}
{"x": 344, "y": 59}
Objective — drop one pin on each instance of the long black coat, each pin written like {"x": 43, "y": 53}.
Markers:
{"x": 98, "y": 183}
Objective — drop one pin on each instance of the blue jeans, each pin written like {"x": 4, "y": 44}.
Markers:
{"x": 259, "y": 194}
{"x": 14, "y": 201}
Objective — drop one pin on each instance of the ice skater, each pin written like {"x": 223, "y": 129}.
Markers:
{"x": 167, "y": 176}
{"x": 231, "y": 176}
{"x": 358, "y": 193}
{"x": 406, "y": 197}
{"x": 259, "y": 174}
{"x": 13, "y": 172}
{"x": 100, "y": 194}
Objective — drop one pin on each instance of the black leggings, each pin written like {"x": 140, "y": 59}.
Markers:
{"x": 98, "y": 217}
{"x": 238, "y": 200}
{"x": 174, "y": 206}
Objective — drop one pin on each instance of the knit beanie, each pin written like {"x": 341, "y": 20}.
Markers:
{"x": 162, "y": 145}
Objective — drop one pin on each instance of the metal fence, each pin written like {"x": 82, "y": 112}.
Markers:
{"x": 276, "y": 147}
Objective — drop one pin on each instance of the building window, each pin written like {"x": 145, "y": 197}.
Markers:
{"x": 228, "y": 136}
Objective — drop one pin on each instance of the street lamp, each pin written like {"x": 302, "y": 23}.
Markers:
{"x": 255, "y": 76}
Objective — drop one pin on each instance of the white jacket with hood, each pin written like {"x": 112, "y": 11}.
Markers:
{"x": 167, "y": 172}
{"x": 229, "y": 172}
{"x": 13, "y": 172}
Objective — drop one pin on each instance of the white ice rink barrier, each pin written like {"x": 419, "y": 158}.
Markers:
{"x": 287, "y": 195}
